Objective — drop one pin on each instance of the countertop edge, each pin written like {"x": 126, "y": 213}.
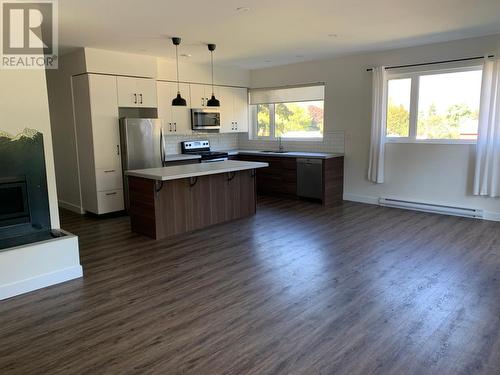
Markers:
{"x": 157, "y": 177}
{"x": 288, "y": 154}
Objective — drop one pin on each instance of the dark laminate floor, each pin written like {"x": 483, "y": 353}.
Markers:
{"x": 297, "y": 289}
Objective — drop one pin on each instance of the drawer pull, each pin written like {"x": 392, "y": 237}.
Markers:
{"x": 110, "y": 171}
{"x": 111, "y": 193}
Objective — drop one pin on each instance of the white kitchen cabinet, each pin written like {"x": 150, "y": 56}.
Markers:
{"x": 110, "y": 201}
{"x": 226, "y": 110}
{"x": 98, "y": 142}
{"x": 176, "y": 120}
{"x": 136, "y": 92}
{"x": 240, "y": 108}
{"x": 200, "y": 94}
{"x": 234, "y": 110}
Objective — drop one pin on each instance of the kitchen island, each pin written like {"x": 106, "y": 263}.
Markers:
{"x": 167, "y": 201}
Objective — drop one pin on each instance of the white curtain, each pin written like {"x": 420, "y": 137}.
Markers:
{"x": 377, "y": 141}
{"x": 487, "y": 172}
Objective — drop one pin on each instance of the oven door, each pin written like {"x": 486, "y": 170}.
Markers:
{"x": 205, "y": 119}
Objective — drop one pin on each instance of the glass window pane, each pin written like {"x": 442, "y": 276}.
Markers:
{"x": 299, "y": 119}
{"x": 398, "y": 107}
{"x": 448, "y": 105}
{"x": 263, "y": 120}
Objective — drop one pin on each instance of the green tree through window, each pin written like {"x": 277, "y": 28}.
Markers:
{"x": 292, "y": 120}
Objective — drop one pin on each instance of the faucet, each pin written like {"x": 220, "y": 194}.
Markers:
{"x": 280, "y": 145}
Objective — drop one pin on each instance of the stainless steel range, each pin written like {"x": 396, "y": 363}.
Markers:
{"x": 202, "y": 148}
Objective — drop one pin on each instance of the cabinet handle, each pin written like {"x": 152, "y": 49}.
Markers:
{"x": 117, "y": 149}
{"x": 140, "y": 97}
{"x": 169, "y": 126}
{"x": 114, "y": 193}
{"x": 109, "y": 171}
{"x": 175, "y": 126}
{"x": 135, "y": 98}
{"x": 202, "y": 102}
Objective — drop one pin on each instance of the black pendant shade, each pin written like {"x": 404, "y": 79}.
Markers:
{"x": 178, "y": 101}
{"x": 212, "y": 102}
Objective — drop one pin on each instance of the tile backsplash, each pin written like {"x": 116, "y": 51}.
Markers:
{"x": 225, "y": 141}
{"x": 332, "y": 142}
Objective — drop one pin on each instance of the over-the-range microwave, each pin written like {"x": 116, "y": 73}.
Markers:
{"x": 205, "y": 118}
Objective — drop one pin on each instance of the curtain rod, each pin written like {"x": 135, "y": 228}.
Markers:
{"x": 433, "y": 62}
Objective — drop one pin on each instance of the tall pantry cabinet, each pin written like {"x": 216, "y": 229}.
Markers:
{"x": 95, "y": 104}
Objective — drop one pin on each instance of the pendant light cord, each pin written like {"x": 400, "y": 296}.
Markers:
{"x": 212, "y": 59}
{"x": 177, "y": 60}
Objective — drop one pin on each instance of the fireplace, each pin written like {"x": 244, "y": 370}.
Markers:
{"x": 14, "y": 197}
{"x": 24, "y": 203}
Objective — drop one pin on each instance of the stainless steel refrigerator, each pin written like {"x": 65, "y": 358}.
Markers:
{"x": 142, "y": 145}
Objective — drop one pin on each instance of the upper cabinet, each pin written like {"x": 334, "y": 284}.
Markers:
{"x": 176, "y": 120}
{"x": 136, "y": 92}
{"x": 200, "y": 94}
{"x": 234, "y": 110}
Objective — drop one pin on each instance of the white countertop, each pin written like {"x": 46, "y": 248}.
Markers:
{"x": 194, "y": 170}
{"x": 287, "y": 154}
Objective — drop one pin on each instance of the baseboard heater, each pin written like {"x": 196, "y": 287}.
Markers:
{"x": 433, "y": 208}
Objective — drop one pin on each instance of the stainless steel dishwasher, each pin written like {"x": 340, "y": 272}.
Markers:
{"x": 310, "y": 178}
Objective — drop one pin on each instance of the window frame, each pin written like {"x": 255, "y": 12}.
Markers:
{"x": 272, "y": 130}
{"x": 414, "y": 97}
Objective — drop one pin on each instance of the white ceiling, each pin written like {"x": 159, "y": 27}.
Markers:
{"x": 271, "y": 32}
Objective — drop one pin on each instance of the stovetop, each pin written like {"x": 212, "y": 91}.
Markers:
{"x": 201, "y": 148}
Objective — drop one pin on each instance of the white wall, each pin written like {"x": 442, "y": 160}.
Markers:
{"x": 63, "y": 130}
{"x": 24, "y": 104}
{"x": 428, "y": 172}
{"x": 201, "y": 73}
{"x": 119, "y": 63}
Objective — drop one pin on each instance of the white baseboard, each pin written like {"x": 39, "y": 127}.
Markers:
{"x": 41, "y": 281}
{"x": 360, "y": 198}
{"x": 492, "y": 216}
{"x": 70, "y": 207}
{"x": 488, "y": 215}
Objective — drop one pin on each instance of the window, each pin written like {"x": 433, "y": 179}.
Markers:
{"x": 435, "y": 106}
{"x": 398, "y": 107}
{"x": 294, "y": 113}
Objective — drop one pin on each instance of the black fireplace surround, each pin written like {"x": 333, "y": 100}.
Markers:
{"x": 24, "y": 202}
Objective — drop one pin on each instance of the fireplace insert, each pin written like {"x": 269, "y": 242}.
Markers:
{"x": 14, "y": 209}
{"x": 24, "y": 203}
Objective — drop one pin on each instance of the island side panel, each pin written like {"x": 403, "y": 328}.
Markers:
{"x": 142, "y": 206}
{"x": 248, "y": 193}
{"x": 188, "y": 204}
{"x": 219, "y": 198}
{"x": 173, "y": 208}
{"x": 333, "y": 184}
{"x": 201, "y": 209}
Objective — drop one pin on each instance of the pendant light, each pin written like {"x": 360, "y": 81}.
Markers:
{"x": 178, "y": 100}
{"x": 212, "y": 102}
